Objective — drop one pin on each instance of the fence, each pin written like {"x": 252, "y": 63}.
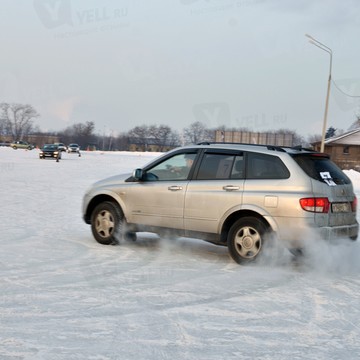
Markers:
{"x": 261, "y": 138}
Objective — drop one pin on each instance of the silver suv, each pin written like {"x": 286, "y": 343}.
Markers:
{"x": 236, "y": 195}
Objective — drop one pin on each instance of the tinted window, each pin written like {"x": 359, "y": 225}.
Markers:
{"x": 322, "y": 169}
{"x": 262, "y": 166}
{"x": 221, "y": 166}
{"x": 50, "y": 147}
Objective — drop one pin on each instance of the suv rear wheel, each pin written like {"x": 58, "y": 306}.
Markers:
{"x": 246, "y": 239}
{"x": 106, "y": 223}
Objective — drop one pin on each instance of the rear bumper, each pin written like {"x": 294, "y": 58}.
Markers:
{"x": 295, "y": 233}
{"x": 349, "y": 231}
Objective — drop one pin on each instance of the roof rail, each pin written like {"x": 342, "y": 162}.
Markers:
{"x": 227, "y": 143}
{"x": 269, "y": 147}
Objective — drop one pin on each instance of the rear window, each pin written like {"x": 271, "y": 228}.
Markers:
{"x": 322, "y": 169}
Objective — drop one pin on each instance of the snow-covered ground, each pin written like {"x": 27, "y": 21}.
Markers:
{"x": 63, "y": 296}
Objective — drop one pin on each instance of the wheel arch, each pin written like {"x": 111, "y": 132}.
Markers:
{"x": 97, "y": 200}
{"x": 229, "y": 221}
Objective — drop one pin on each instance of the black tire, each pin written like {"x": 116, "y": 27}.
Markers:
{"x": 297, "y": 252}
{"x": 106, "y": 223}
{"x": 15, "y": 147}
{"x": 129, "y": 236}
{"x": 246, "y": 239}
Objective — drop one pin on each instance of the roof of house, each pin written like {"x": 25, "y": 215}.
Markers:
{"x": 349, "y": 138}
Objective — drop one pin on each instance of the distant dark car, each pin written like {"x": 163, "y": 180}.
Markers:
{"x": 73, "y": 148}
{"x": 61, "y": 146}
{"x": 21, "y": 145}
{"x": 50, "y": 151}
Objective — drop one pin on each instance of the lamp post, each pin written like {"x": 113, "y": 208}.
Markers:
{"x": 329, "y": 51}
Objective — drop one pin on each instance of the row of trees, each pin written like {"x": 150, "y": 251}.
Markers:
{"x": 144, "y": 138}
{"x": 17, "y": 122}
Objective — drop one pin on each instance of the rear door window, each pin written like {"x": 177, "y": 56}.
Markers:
{"x": 322, "y": 168}
{"x": 215, "y": 166}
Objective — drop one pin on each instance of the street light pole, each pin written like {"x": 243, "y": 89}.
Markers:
{"x": 329, "y": 51}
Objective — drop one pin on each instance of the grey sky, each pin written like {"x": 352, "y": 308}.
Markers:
{"x": 239, "y": 63}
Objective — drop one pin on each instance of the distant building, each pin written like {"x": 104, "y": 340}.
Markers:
{"x": 249, "y": 137}
{"x": 344, "y": 149}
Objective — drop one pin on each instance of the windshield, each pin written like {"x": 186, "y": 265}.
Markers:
{"x": 322, "y": 168}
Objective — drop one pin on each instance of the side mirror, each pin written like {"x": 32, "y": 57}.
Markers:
{"x": 138, "y": 174}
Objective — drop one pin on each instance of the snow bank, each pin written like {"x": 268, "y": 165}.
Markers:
{"x": 63, "y": 296}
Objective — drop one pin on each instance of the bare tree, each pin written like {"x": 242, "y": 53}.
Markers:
{"x": 296, "y": 138}
{"x": 197, "y": 132}
{"x": 140, "y": 136}
{"x": 3, "y": 128}
{"x": 163, "y": 136}
{"x": 356, "y": 124}
{"x": 121, "y": 142}
{"x": 81, "y": 133}
{"x": 18, "y": 119}
{"x": 312, "y": 139}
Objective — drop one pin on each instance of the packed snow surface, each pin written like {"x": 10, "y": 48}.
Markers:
{"x": 64, "y": 296}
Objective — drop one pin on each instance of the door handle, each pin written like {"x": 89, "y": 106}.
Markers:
{"x": 231, "y": 188}
{"x": 175, "y": 188}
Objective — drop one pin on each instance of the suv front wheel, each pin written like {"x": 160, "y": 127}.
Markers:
{"x": 106, "y": 223}
{"x": 246, "y": 239}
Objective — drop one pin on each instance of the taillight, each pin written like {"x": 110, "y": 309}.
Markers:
{"x": 354, "y": 204}
{"x": 317, "y": 205}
